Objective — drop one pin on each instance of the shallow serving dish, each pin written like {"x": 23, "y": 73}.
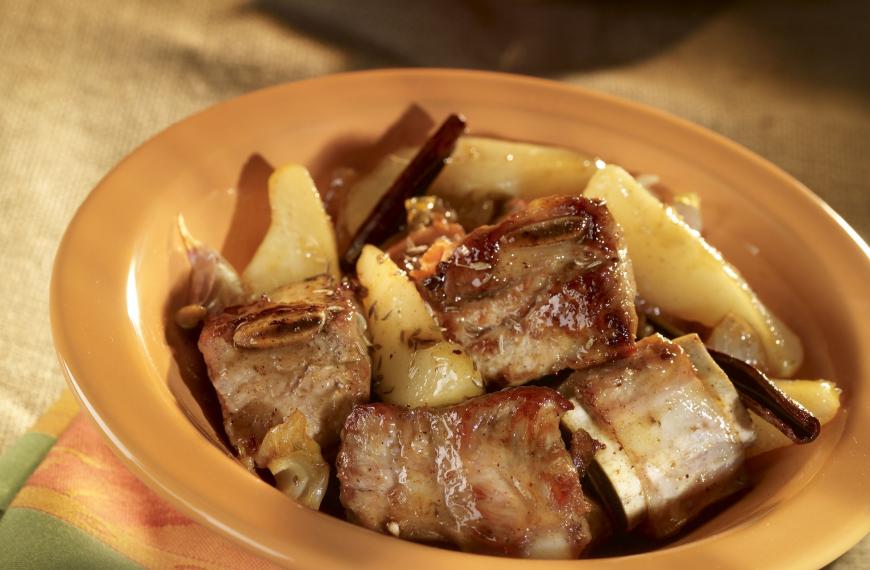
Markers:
{"x": 121, "y": 261}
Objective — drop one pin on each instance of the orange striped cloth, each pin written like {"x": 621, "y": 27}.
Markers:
{"x": 85, "y": 490}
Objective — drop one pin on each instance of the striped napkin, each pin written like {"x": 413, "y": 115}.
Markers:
{"x": 66, "y": 501}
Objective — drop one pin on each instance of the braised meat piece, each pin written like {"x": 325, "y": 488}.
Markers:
{"x": 673, "y": 429}
{"x": 489, "y": 475}
{"x": 550, "y": 287}
{"x": 302, "y": 348}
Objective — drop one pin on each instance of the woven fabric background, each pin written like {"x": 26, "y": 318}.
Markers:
{"x": 83, "y": 83}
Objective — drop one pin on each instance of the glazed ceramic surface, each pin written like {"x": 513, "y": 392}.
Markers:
{"x": 121, "y": 269}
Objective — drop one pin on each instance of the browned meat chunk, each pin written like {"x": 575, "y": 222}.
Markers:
{"x": 672, "y": 426}
{"x": 303, "y": 348}
{"x": 548, "y": 288}
{"x": 489, "y": 475}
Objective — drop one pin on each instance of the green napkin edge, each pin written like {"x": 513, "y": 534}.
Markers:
{"x": 33, "y": 539}
{"x": 19, "y": 462}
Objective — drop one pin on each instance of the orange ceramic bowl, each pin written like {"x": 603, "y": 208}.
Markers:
{"x": 121, "y": 262}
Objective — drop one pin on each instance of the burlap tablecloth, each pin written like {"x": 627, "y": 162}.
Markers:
{"x": 83, "y": 83}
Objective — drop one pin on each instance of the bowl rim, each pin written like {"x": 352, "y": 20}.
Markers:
{"x": 141, "y": 455}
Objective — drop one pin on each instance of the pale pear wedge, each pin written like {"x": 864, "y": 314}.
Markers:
{"x": 413, "y": 365}
{"x": 820, "y": 397}
{"x": 300, "y": 241}
{"x": 683, "y": 275}
{"x": 480, "y": 169}
{"x": 486, "y": 168}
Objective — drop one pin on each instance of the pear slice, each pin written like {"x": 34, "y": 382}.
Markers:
{"x": 480, "y": 170}
{"x": 413, "y": 365}
{"x": 300, "y": 241}
{"x": 683, "y": 275}
{"x": 515, "y": 169}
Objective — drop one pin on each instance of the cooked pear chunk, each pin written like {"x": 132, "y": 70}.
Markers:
{"x": 413, "y": 363}
{"x": 300, "y": 241}
{"x": 683, "y": 275}
{"x": 481, "y": 172}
